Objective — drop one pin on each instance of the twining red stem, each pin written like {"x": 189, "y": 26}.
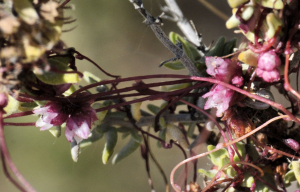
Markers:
{"x": 8, "y": 175}
{"x": 18, "y": 124}
{"x": 10, "y": 163}
{"x": 80, "y": 56}
{"x": 21, "y": 114}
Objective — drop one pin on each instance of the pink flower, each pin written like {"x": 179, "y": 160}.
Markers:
{"x": 218, "y": 97}
{"x": 268, "y": 66}
{"x": 78, "y": 117}
{"x": 227, "y": 71}
{"x": 221, "y": 69}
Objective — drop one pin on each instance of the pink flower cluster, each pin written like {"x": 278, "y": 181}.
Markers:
{"x": 78, "y": 118}
{"x": 227, "y": 71}
{"x": 268, "y": 66}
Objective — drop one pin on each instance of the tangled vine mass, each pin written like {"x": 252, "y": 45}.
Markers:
{"x": 227, "y": 97}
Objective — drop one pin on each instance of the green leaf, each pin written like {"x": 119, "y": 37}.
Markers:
{"x": 135, "y": 111}
{"x": 209, "y": 173}
{"x": 136, "y": 136}
{"x": 177, "y": 86}
{"x": 273, "y": 4}
{"x": 175, "y": 65}
{"x": 289, "y": 177}
{"x": 55, "y": 131}
{"x": 27, "y": 106}
{"x": 162, "y": 122}
{"x": 100, "y": 115}
{"x": 191, "y": 129}
{"x": 162, "y": 135}
{"x": 218, "y": 158}
{"x": 102, "y": 128}
{"x": 176, "y": 135}
{"x": 296, "y": 169}
{"x": 173, "y": 37}
{"x": 241, "y": 149}
{"x": 111, "y": 137}
{"x": 153, "y": 108}
{"x": 128, "y": 149}
{"x": 217, "y": 50}
{"x": 52, "y": 78}
{"x": 229, "y": 46}
{"x": 94, "y": 136}
{"x": 248, "y": 180}
{"x": 124, "y": 129}
{"x": 126, "y": 134}
{"x": 90, "y": 78}
{"x": 12, "y": 106}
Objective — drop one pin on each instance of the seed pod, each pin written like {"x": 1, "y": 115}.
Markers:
{"x": 292, "y": 144}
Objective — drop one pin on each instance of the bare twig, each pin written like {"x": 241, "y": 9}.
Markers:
{"x": 154, "y": 24}
{"x": 183, "y": 24}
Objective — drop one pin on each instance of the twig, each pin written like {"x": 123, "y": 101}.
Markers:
{"x": 154, "y": 24}
{"x": 183, "y": 24}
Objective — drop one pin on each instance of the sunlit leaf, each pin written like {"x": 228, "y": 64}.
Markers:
{"x": 111, "y": 137}
{"x": 128, "y": 149}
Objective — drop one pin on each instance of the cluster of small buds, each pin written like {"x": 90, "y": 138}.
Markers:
{"x": 261, "y": 24}
{"x": 247, "y": 14}
{"x": 268, "y": 66}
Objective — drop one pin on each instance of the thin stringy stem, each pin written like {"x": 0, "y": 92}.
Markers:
{"x": 175, "y": 187}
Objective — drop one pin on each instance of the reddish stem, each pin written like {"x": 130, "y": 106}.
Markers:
{"x": 15, "y": 183}
{"x": 287, "y": 85}
{"x": 256, "y": 97}
{"x": 10, "y": 163}
{"x": 21, "y": 114}
{"x": 80, "y": 56}
{"x": 64, "y": 3}
{"x": 18, "y": 124}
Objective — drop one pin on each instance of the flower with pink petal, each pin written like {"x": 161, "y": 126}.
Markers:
{"x": 268, "y": 66}
{"x": 227, "y": 71}
{"x": 218, "y": 97}
{"x": 221, "y": 69}
{"x": 78, "y": 117}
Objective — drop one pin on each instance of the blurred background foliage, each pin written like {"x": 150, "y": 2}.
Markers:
{"x": 112, "y": 34}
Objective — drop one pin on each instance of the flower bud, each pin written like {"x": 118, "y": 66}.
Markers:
{"x": 292, "y": 144}
{"x": 267, "y": 66}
